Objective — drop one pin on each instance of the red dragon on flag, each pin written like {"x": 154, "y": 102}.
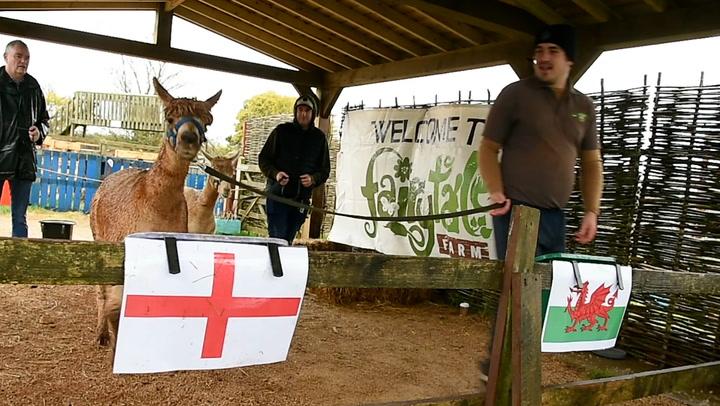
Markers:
{"x": 591, "y": 310}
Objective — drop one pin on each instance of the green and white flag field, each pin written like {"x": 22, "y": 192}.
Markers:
{"x": 585, "y": 317}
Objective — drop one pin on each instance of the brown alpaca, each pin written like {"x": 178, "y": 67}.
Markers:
{"x": 201, "y": 203}
{"x": 135, "y": 200}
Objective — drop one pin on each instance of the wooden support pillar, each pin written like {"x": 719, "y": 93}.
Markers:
{"x": 515, "y": 355}
{"x": 163, "y": 27}
{"x": 522, "y": 65}
{"x": 587, "y": 54}
{"x": 303, "y": 89}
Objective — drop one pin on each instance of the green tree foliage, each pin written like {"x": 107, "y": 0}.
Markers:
{"x": 54, "y": 102}
{"x": 260, "y": 105}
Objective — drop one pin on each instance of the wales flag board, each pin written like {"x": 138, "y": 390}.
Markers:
{"x": 585, "y": 317}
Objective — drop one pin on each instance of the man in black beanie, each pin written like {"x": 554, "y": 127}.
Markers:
{"x": 542, "y": 125}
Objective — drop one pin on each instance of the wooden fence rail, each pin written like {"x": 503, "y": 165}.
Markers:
{"x": 515, "y": 357}
{"x": 59, "y": 262}
{"x": 130, "y": 112}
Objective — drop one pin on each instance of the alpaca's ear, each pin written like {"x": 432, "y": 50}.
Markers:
{"x": 211, "y": 101}
{"x": 205, "y": 153}
{"x": 235, "y": 157}
{"x": 161, "y": 92}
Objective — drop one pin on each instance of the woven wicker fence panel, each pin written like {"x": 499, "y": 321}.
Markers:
{"x": 620, "y": 117}
{"x": 257, "y": 132}
{"x": 672, "y": 330}
{"x": 677, "y": 227}
{"x": 678, "y": 224}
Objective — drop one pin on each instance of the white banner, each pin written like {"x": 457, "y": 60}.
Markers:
{"x": 396, "y": 162}
{"x": 224, "y": 309}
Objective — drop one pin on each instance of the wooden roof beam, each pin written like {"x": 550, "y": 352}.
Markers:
{"x": 677, "y": 24}
{"x": 597, "y": 9}
{"x": 303, "y": 89}
{"x": 521, "y": 65}
{"x": 539, "y": 9}
{"x": 171, "y": 5}
{"x": 464, "y": 31}
{"x": 121, "y": 46}
{"x": 370, "y": 26}
{"x": 407, "y": 24}
{"x": 163, "y": 28}
{"x": 657, "y": 5}
{"x": 584, "y": 59}
{"x": 467, "y": 58}
{"x": 342, "y": 31}
{"x": 491, "y": 15}
{"x": 328, "y": 97}
{"x": 264, "y": 27}
{"x": 74, "y": 5}
{"x": 248, "y": 41}
{"x": 232, "y": 24}
{"x": 301, "y": 27}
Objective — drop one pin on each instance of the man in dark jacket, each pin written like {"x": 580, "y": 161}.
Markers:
{"x": 24, "y": 119}
{"x": 295, "y": 159}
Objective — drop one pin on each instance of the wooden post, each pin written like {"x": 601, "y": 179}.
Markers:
{"x": 163, "y": 27}
{"x": 318, "y": 197}
{"x": 515, "y": 355}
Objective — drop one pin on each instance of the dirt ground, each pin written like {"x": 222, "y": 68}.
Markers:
{"x": 363, "y": 353}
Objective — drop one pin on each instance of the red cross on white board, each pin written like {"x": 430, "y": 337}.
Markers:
{"x": 217, "y": 308}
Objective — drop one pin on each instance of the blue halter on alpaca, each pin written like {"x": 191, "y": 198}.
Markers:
{"x": 172, "y": 131}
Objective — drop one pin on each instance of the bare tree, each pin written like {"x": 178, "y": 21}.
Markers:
{"x": 135, "y": 76}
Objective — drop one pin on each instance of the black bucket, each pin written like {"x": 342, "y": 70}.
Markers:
{"x": 57, "y": 229}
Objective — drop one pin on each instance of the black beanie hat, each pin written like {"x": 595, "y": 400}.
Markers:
{"x": 562, "y": 35}
{"x": 305, "y": 100}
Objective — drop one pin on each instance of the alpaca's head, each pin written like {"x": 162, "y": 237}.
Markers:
{"x": 225, "y": 165}
{"x": 187, "y": 121}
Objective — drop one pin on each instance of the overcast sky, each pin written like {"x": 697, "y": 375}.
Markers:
{"x": 65, "y": 69}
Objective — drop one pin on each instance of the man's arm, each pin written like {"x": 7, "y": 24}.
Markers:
{"x": 497, "y": 128}
{"x": 591, "y": 180}
{"x": 43, "y": 118}
{"x": 490, "y": 165}
{"x": 266, "y": 158}
{"x": 591, "y": 185}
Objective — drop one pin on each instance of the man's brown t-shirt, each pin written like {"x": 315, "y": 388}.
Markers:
{"x": 541, "y": 137}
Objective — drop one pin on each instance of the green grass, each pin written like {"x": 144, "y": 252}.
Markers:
{"x": 598, "y": 373}
{"x": 5, "y": 211}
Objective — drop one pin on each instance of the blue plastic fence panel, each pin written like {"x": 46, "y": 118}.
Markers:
{"x": 94, "y": 164}
{"x": 44, "y": 188}
{"x": 67, "y": 171}
{"x": 74, "y": 181}
{"x": 35, "y": 189}
{"x": 80, "y": 181}
{"x": 52, "y": 179}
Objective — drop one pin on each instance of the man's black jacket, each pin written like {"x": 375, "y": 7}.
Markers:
{"x": 295, "y": 151}
{"x": 22, "y": 105}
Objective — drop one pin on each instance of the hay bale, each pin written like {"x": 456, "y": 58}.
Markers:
{"x": 344, "y": 296}
{"x": 399, "y": 296}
